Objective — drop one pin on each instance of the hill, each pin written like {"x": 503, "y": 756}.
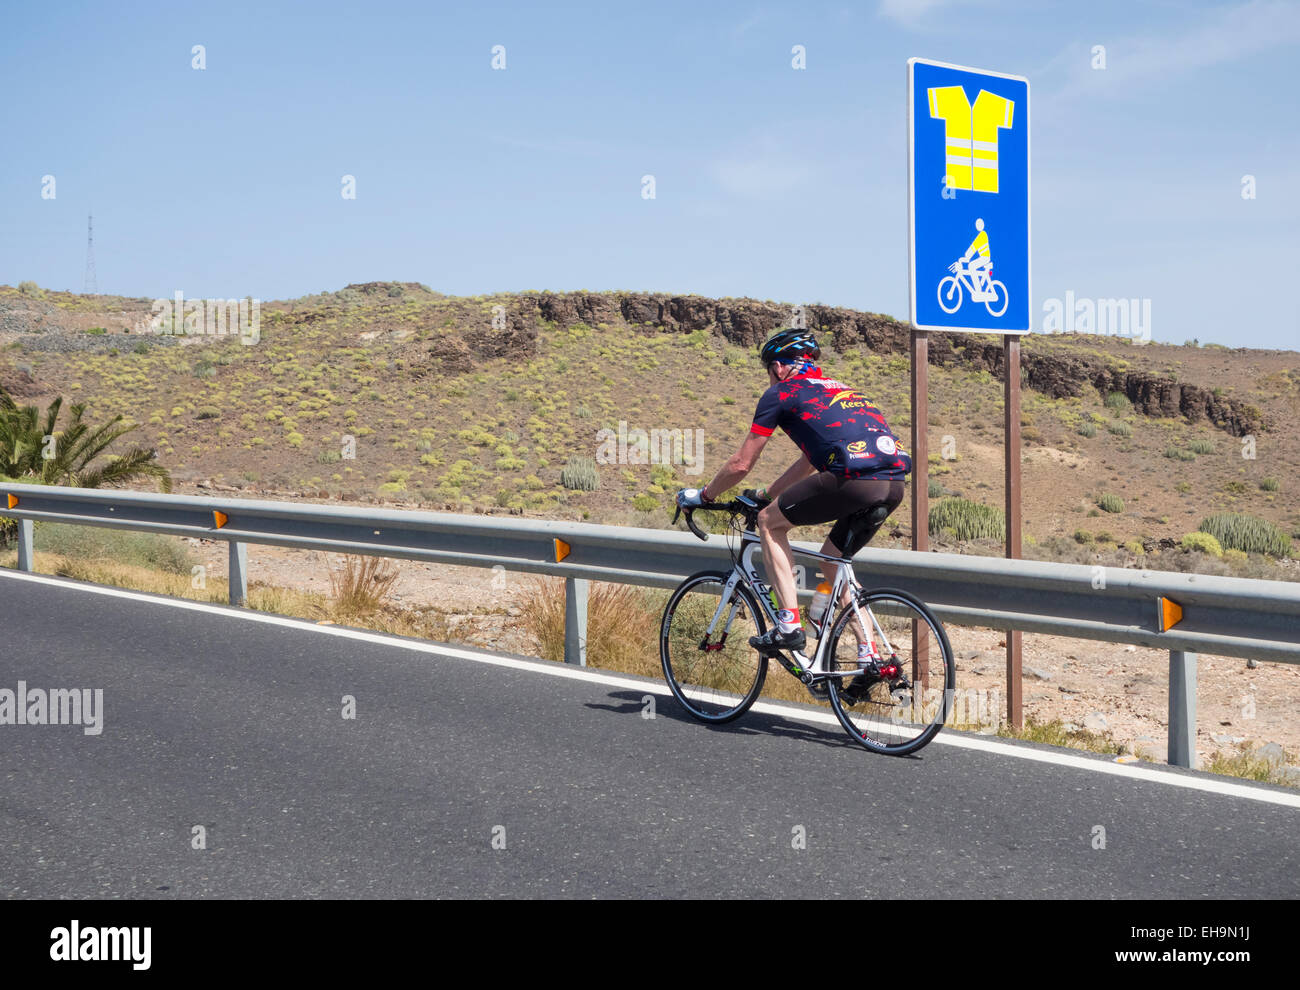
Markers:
{"x": 478, "y": 404}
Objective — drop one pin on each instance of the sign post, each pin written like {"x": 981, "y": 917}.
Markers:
{"x": 968, "y": 259}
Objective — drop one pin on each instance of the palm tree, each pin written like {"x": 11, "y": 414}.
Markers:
{"x": 70, "y": 461}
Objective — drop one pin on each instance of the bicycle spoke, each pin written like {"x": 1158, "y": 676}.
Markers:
{"x": 711, "y": 668}
{"x": 900, "y": 708}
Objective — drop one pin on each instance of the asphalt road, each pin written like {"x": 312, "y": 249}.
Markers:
{"x": 464, "y": 779}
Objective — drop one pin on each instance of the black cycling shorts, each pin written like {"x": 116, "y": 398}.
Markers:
{"x": 861, "y": 505}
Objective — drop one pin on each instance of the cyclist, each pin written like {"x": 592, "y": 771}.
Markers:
{"x": 851, "y": 471}
{"x": 978, "y": 260}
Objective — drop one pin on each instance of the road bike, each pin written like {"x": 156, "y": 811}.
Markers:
{"x": 894, "y": 706}
{"x": 993, "y": 295}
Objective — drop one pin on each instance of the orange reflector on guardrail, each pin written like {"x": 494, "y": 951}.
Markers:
{"x": 1171, "y": 613}
{"x": 13, "y": 501}
{"x": 220, "y": 518}
{"x": 561, "y": 549}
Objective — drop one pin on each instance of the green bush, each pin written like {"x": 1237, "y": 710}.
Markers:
{"x": 97, "y": 331}
{"x": 645, "y": 503}
{"x": 1120, "y": 429}
{"x": 1179, "y": 453}
{"x": 1118, "y": 402}
{"x": 1200, "y": 446}
{"x": 1111, "y": 503}
{"x": 1202, "y": 543}
{"x": 1082, "y": 536}
{"x": 164, "y": 553}
{"x": 963, "y": 519}
{"x": 933, "y": 488}
{"x": 1088, "y": 428}
{"x": 1249, "y": 533}
{"x": 580, "y": 474}
{"x": 1269, "y": 485}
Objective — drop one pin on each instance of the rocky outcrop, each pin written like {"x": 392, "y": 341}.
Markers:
{"x": 747, "y": 322}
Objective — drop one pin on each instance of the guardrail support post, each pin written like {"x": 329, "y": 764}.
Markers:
{"x": 575, "y": 620}
{"x": 1182, "y": 709}
{"x": 238, "y": 572}
{"x": 26, "y": 546}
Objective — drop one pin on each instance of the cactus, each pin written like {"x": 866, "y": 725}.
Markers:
{"x": 1111, "y": 503}
{"x": 967, "y": 520}
{"x": 580, "y": 474}
{"x": 1236, "y": 531}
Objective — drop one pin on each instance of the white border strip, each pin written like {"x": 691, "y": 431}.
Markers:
{"x": 1210, "y": 784}
{"x": 911, "y": 201}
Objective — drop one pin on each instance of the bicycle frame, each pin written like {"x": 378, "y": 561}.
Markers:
{"x": 805, "y": 668}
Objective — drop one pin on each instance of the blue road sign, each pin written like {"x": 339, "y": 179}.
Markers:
{"x": 968, "y": 198}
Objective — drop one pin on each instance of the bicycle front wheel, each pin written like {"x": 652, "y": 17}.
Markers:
{"x": 704, "y": 645}
{"x": 950, "y": 294}
{"x": 899, "y": 712}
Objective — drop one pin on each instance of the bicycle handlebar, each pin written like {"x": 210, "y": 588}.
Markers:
{"x": 737, "y": 505}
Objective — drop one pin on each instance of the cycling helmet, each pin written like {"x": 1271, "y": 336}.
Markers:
{"x": 787, "y": 346}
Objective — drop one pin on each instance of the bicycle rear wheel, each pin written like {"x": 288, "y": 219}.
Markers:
{"x": 704, "y": 646}
{"x": 891, "y": 715}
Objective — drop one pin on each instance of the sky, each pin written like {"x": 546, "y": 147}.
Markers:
{"x": 769, "y": 181}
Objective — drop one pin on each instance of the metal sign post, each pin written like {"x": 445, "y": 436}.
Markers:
{"x": 968, "y": 259}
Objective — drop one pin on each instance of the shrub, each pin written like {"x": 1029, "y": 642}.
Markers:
{"x": 580, "y": 474}
{"x": 1269, "y": 485}
{"x": 622, "y": 623}
{"x": 1249, "y": 533}
{"x": 1120, "y": 429}
{"x": 1179, "y": 453}
{"x": 1235, "y": 487}
{"x": 1088, "y": 429}
{"x": 1118, "y": 402}
{"x": 963, "y": 519}
{"x": 1111, "y": 503}
{"x": 1200, "y": 446}
{"x": 164, "y": 553}
{"x": 207, "y": 412}
{"x": 1202, "y": 543}
{"x": 934, "y": 488}
{"x": 361, "y": 587}
{"x": 1082, "y": 536}
{"x": 645, "y": 503}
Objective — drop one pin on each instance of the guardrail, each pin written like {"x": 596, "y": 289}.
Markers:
{"x": 1226, "y": 616}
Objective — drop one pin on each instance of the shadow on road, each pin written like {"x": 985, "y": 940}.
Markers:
{"x": 752, "y": 723}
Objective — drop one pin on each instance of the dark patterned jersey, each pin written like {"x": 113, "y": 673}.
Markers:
{"x": 838, "y": 429}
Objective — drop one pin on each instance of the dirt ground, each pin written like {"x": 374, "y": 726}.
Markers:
{"x": 1103, "y": 687}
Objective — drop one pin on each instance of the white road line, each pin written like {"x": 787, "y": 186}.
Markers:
{"x": 1210, "y": 784}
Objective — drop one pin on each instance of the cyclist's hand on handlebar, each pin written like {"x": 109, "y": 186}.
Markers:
{"x": 761, "y": 498}
{"x": 690, "y": 498}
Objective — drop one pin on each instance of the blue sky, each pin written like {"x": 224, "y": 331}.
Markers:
{"x": 770, "y": 182}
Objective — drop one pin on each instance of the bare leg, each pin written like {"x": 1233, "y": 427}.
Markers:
{"x": 778, "y": 559}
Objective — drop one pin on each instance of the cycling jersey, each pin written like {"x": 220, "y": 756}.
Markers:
{"x": 837, "y": 429}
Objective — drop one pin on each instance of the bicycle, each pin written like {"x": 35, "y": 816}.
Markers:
{"x": 716, "y": 675}
{"x": 993, "y": 295}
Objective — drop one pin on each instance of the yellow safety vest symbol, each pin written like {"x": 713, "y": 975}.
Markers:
{"x": 971, "y": 137}
{"x": 980, "y": 244}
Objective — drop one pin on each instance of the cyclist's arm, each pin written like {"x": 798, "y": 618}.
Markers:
{"x": 794, "y": 474}
{"x": 740, "y": 464}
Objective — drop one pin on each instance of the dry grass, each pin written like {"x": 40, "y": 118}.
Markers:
{"x": 362, "y": 587}
{"x": 1245, "y": 763}
{"x": 1054, "y": 733}
{"x": 622, "y": 624}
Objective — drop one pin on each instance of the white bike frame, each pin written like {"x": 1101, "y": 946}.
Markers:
{"x": 746, "y": 570}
